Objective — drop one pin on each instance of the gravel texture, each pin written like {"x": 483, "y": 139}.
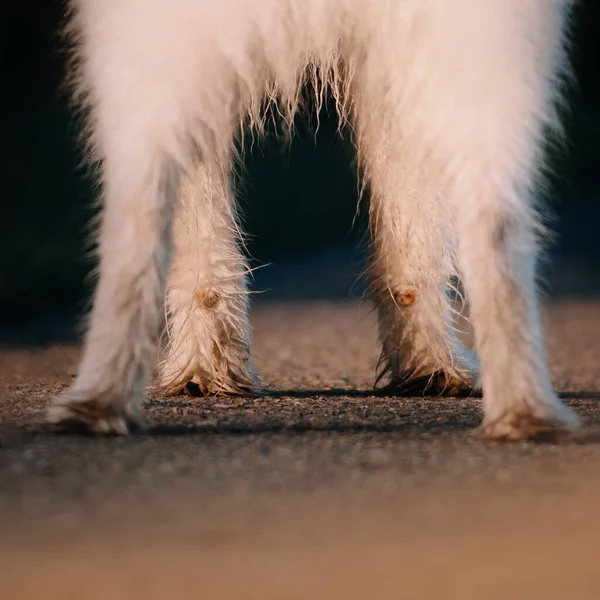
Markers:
{"x": 321, "y": 490}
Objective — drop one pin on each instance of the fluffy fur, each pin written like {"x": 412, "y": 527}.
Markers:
{"x": 449, "y": 100}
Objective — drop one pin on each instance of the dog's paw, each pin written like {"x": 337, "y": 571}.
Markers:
{"x": 225, "y": 379}
{"x": 438, "y": 383}
{"x": 519, "y": 426}
{"x": 70, "y": 413}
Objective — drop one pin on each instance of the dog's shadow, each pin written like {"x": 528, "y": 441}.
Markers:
{"x": 418, "y": 425}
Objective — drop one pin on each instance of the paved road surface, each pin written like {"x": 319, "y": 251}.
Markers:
{"x": 320, "y": 491}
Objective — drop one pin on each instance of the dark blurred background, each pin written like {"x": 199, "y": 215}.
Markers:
{"x": 299, "y": 201}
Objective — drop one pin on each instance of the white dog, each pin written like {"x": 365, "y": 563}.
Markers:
{"x": 449, "y": 100}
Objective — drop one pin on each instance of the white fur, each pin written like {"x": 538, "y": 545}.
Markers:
{"x": 448, "y": 99}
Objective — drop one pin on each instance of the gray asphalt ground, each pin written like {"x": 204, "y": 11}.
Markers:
{"x": 322, "y": 490}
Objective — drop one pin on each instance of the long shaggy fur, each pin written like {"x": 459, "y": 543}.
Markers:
{"x": 449, "y": 100}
